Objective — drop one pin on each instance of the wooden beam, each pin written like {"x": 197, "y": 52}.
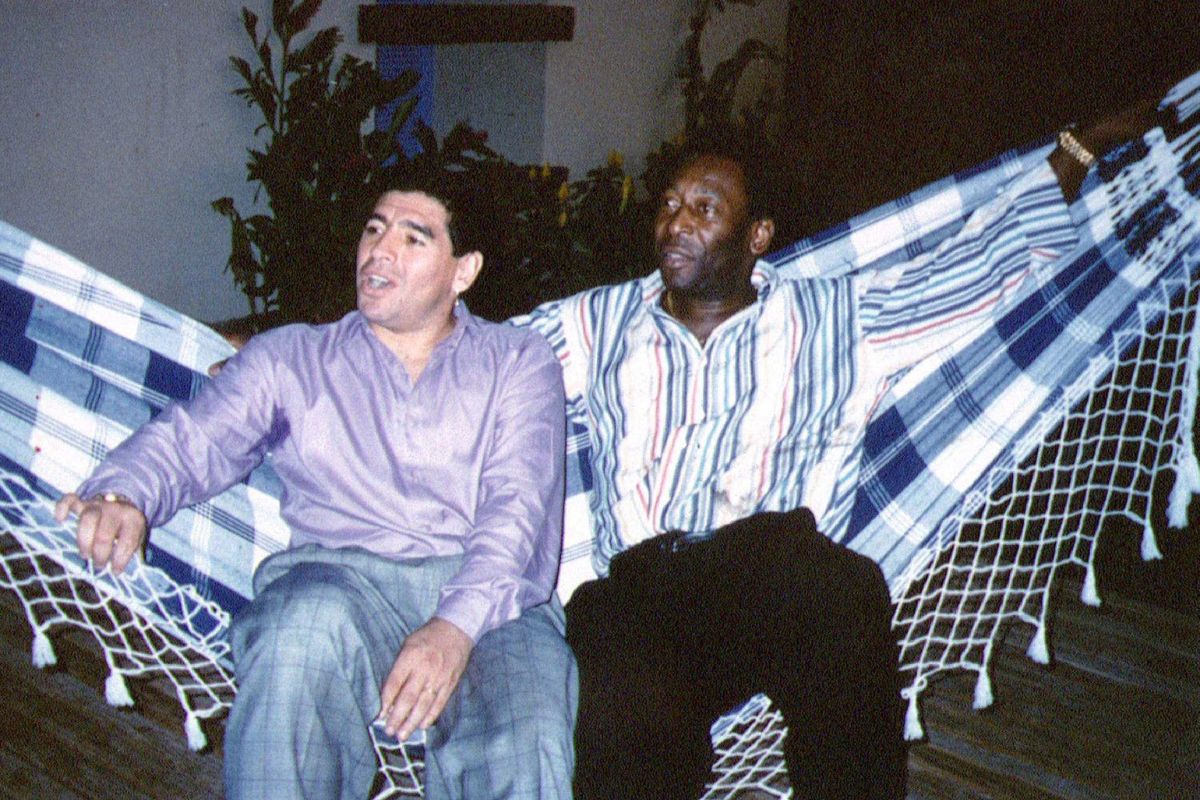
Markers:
{"x": 463, "y": 23}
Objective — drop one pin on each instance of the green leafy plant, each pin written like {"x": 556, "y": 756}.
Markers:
{"x": 313, "y": 167}
{"x": 316, "y": 173}
{"x": 559, "y": 236}
{"x": 712, "y": 100}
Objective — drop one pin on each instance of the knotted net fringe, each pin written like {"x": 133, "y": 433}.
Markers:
{"x": 146, "y": 624}
{"x": 1100, "y": 452}
{"x": 1096, "y": 452}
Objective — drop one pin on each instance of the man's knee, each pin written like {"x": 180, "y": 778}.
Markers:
{"x": 307, "y": 615}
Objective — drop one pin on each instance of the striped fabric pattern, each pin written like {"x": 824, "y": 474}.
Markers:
{"x": 948, "y": 321}
{"x": 85, "y": 360}
{"x": 770, "y": 414}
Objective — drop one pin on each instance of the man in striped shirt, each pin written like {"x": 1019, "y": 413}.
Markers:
{"x": 718, "y": 394}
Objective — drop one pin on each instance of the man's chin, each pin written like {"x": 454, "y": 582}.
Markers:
{"x": 675, "y": 273}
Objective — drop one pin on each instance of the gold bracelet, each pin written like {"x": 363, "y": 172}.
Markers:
{"x": 1074, "y": 148}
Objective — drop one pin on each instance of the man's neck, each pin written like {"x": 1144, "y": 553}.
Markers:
{"x": 701, "y": 316}
{"x": 414, "y": 348}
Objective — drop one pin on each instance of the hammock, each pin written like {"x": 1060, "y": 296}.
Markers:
{"x": 985, "y": 470}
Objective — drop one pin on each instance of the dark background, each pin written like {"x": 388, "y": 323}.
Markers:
{"x": 883, "y": 98}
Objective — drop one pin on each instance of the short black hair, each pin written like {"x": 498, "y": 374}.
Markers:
{"x": 471, "y": 216}
{"x": 750, "y": 152}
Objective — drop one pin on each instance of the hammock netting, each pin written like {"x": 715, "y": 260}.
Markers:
{"x": 1087, "y": 387}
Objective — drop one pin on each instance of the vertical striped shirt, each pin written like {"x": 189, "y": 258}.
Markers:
{"x": 769, "y": 413}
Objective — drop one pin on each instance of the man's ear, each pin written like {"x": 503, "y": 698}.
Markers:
{"x": 761, "y": 233}
{"x": 467, "y": 267}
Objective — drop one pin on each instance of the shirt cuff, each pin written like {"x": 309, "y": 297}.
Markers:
{"x": 93, "y": 487}
{"x": 466, "y": 610}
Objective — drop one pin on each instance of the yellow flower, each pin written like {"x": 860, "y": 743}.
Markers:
{"x": 562, "y": 218}
{"x": 564, "y": 191}
{"x": 615, "y": 159}
{"x": 533, "y": 173}
{"x": 545, "y": 169}
{"x": 626, "y": 192}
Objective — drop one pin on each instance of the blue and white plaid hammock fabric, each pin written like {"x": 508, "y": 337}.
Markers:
{"x": 84, "y": 360}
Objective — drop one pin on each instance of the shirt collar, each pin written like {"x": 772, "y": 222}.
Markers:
{"x": 763, "y": 278}
{"x": 463, "y": 320}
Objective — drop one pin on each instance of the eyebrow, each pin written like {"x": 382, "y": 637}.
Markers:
{"x": 407, "y": 223}
{"x": 421, "y": 229}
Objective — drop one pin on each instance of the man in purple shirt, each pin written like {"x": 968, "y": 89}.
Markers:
{"x": 421, "y": 455}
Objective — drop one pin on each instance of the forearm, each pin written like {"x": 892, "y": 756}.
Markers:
{"x": 511, "y": 554}
{"x": 1077, "y": 150}
{"x": 191, "y": 451}
{"x": 167, "y": 464}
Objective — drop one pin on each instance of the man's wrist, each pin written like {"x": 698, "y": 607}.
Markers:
{"x": 1069, "y": 141}
{"x": 111, "y": 497}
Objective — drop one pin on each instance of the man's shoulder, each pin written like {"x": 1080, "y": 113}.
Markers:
{"x": 635, "y": 288}
{"x": 629, "y": 293}
{"x": 510, "y": 337}
{"x": 293, "y": 343}
{"x": 811, "y": 286}
{"x": 303, "y": 332}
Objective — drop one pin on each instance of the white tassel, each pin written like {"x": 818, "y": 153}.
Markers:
{"x": 1039, "y": 650}
{"x": 195, "y": 734}
{"x": 983, "y": 691}
{"x": 1090, "y": 595}
{"x": 1187, "y": 472}
{"x": 1150, "y": 551}
{"x": 116, "y": 691}
{"x": 912, "y": 721}
{"x": 43, "y": 654}
{"x": 1187, "y": 484}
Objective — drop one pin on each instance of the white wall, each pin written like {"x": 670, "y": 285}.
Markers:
{"x": 118, "y": 129}
{"x": 615, "y": 85}
{"x": 496, "y": 87}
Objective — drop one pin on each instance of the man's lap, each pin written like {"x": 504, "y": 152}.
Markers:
{"x": 518, "y": 691}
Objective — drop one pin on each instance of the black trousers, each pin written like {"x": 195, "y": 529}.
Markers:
{"x": 679, "y": 634}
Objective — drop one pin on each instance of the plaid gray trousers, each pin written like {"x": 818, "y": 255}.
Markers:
{"x": 313, "y": 648}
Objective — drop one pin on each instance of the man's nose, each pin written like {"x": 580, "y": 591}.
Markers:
{"x": 388, "y": 244}
{"x": 680, "y": 221}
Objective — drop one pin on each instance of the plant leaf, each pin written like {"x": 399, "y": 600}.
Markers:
{"x": 400, "y": 115}
{"x": 279, "y": 16}
{"x": 318, "y": 49}
{"x": 403, "y": 83}
{"x": 300, "y": 16}
{"x": 242, "y": 66}
{"x": 264, "y": 56}
{"x": 250, "y": 23}
{"x": 224, "y": 206}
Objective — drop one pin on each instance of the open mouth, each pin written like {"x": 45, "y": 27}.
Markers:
{"x": 674, "y": 256}
{"x": 377, "y": 282}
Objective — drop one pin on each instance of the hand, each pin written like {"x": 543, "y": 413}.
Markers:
{"x": 109, "y": 531}
{"x": 1129, "y": 123}
{"x": 236, "y": 336}
{"x": 425, "y": 674}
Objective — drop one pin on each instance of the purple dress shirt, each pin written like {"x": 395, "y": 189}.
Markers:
{"x": 468, "y": 460}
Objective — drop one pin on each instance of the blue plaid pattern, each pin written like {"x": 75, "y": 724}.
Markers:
{"x": 85, "y": 360}
{"x": 949, "y": 415}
